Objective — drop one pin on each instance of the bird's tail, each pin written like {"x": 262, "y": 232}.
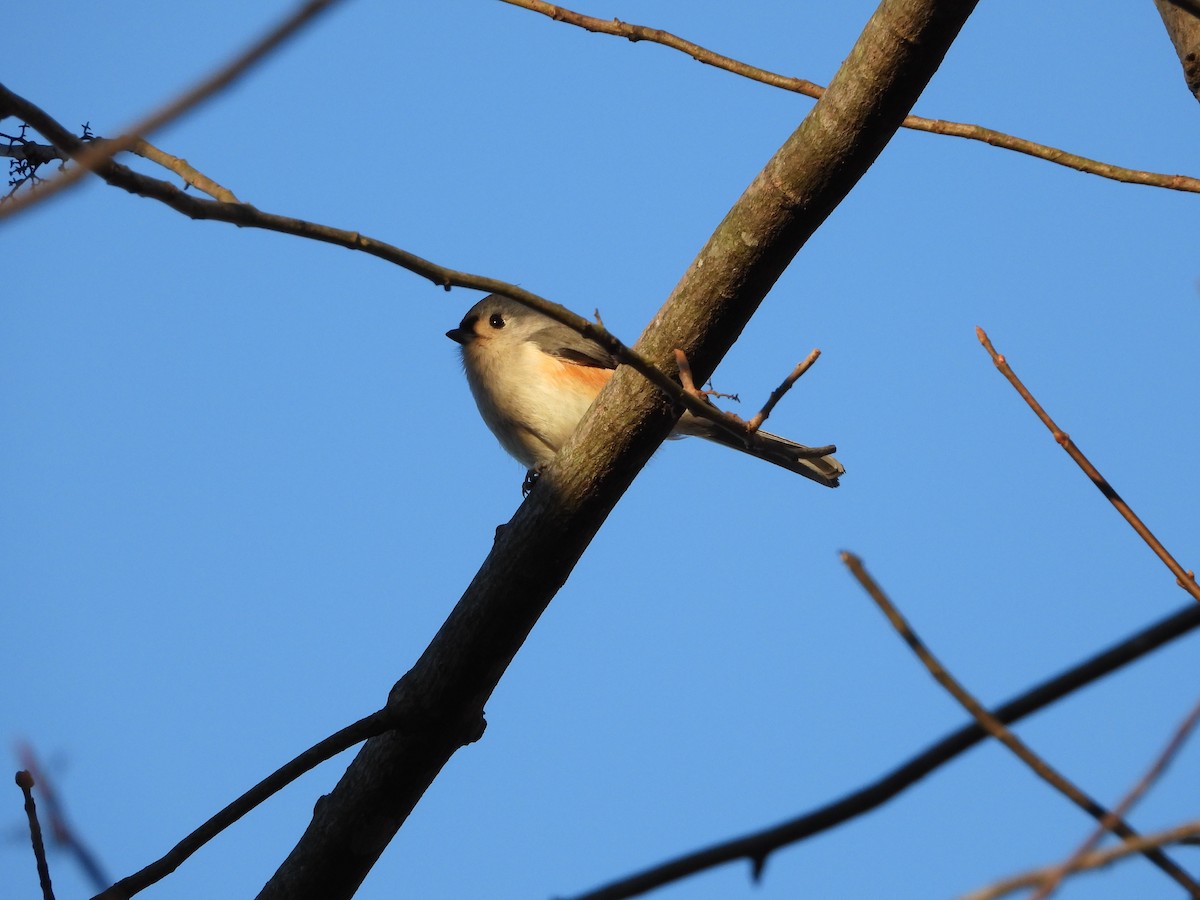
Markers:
{"x": 815, "y": 463}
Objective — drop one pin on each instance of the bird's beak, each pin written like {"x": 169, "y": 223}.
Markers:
{"x": 465, "y": 332}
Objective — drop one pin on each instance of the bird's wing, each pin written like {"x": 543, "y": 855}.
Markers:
{"x": 573, "y": 348}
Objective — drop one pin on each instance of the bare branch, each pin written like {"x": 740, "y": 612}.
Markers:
{"x": 776, "y": 395}
{"x": 30, "y": 151}
{"x": 990, "y": 136}
{"x": 247, "y": 216}
{"x": 1186, "y": 580}
{"x": 42, "y": 153}
{"x": 810, "y": 89}
{"x": 61, "y": 831}
{"x": 899, "y": 50}
{"x": 93, "y": 156}
{"x": 25, "y": 783}
{"x": 1073, "y": 862}
{"x": 1096, "y": 860}
{"x": 685, "y": 373}
{"x": 757, "y": 846}
{"x": 746, "y": 432}
{"x": 1182, "y": 21}
{"x": 997, "y": 729}
{"x": 184, "y": 170}
{"x": 367, "y": 727}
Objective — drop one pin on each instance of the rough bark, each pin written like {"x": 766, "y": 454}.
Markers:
{"x": 1183, "y": 27}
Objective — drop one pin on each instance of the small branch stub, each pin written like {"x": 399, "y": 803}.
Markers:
{"x": 25, "y": 783}
{"x": 776, "y": 395}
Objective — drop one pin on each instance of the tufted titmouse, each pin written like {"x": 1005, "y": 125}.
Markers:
{"x": 533, "y": 379}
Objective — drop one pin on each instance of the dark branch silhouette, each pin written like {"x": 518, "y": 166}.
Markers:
{"x": 997, "y": 729}
{"x": 62, "y": 833}
{"x": 1152, "y": 774}
{"x": 356, "y": 733}
{"x": 757, "y": 846}
{"x": 25, "y": 783}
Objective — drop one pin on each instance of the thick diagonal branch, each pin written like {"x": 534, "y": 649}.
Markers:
{"x": 898, "y": 52}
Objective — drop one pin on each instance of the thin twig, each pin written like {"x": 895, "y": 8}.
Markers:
{"x": 367, "y": 727}
{"x": 61, "y": 831}
{"x": 997, "y": 729}
{"x": 1185, "y": 579}
{"x": 776, "y": 395}
{"x": 736, "y": 424}
{"x": 1096, "y": 860}
{"x": 689, "y": 386}
{"x": 184, "y": 170}
{"x": 92, "y": 156}
{"x": 30, "y": 151}
{"x": 685, "y": 373}
{"x": 1072, "y": 863}
{"x": 25, "y": 783}
{"x": 41, "y": 153}
{"x": 990, "y": 136}
{"x": 758, "y": 845}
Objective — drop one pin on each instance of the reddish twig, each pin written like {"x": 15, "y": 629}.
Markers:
{"x": 776, "y": 395}
{"x": 25, "y": 783}
{"x": 1073, "y": 862}
{"x": 685, "y": 373}
{"x": 736, "y": 424}
{"x": 1185, "y": 579}
{"x": 990, "y": 136}
{"x": 989, "y": 722}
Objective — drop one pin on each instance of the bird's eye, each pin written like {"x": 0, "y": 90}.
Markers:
{"x": 496, "y": 321}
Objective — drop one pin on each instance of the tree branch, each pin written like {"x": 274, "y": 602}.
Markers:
{"x": 61, "y": 831}
{"x": 184, "y": 169}
{"x": 67, "y": 146}
{"x": 25, "y": 783}
{"x": 898, "y": 52}
{"x": 803, "y": 366}
{"x": 990, "y": 136}
{"x": 1095, "y": 860}
{"x": 1182, "y": 20}
{"x": 1000, "y": 732}
{"x": 759, "y": 845}
{"x": 1186, "y": 580}
{"x": 1075, "y": 861}
{"x": 355, "y": 733}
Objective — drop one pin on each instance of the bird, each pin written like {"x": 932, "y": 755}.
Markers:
{"x": 533, "y": 378}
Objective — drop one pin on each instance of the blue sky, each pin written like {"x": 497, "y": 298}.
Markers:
{"x": 242, "y": 481}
